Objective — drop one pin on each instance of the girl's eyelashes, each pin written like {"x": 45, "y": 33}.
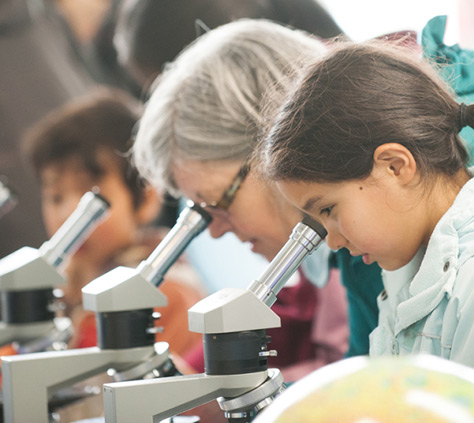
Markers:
{"x": 326, "y": 210}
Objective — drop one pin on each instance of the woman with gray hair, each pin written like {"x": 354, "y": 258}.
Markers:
{"x": 199, "y": 129}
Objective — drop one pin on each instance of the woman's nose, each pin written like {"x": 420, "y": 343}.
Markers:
{"x": 219, "y": 226}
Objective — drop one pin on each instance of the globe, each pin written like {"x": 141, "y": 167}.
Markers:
{"x": 392, "y": 389}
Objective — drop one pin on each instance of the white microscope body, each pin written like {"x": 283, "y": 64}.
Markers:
{"x": 233, "y": 323}
{"x": 28, "y": 277}
{"x": 123, "y": 301}
{"x": 8, "y": 199}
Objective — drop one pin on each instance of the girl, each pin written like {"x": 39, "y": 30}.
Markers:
{"x": 367, "y": 143}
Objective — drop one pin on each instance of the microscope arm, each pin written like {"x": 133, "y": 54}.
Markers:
{"x": 9, "y": 333}
{"x": 131, "y": 401}
{"x": 39, "y": 375}
{"x": 34, "y": 331}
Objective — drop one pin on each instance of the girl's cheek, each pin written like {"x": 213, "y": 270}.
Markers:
{"x": 51, "y": 219}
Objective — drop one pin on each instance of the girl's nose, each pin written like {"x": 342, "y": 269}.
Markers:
{"x": 334, "y": 239}
{"x": 66, "y": 211}
{"x": 56, "y": 217}
{"x": 219, "y": 226}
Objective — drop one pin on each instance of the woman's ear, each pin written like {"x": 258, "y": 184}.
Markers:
{"x": 395, "y": 160}
{"x": 150, "y": 206}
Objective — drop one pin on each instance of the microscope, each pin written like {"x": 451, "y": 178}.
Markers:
{"x": 233, "y": 323}
{"x": 123, "y": 301}
{"x": 8, "y": 198}
{"x": 29, "y": 277}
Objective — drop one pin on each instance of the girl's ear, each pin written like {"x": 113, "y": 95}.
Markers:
{"x": 395, "y": 160}
{"x": 149, "y": 207}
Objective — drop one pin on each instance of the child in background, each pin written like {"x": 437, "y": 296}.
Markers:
{"x": 368, "y": 144}
{"x": 84, "y": 145}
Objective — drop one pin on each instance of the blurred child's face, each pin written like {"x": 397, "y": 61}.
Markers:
{"x": 374, "y": 218}
{"x": 63, "y": 185}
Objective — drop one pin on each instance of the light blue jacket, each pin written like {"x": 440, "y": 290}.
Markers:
{"x": 428, "y": 305}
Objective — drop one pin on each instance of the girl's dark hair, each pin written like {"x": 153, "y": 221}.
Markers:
{"x": 100, "y": 121}
{"x": 359, "y": 97}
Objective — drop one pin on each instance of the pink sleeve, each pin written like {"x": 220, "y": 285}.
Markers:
{"x": 330, "y": 330}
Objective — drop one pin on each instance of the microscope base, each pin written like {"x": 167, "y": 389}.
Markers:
{"x": 245, "y": 407}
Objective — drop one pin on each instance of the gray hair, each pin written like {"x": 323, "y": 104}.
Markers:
{"x": 207, "y": 105}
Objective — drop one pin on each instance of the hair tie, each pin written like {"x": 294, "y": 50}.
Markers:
{"x": 462, "y": 116}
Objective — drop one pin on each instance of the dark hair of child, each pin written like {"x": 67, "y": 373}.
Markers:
{"x": 101, "y": 121}
{"x": 359, "y": 97}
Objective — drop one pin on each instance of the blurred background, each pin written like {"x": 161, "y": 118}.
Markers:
{"x": 366, "y": 19}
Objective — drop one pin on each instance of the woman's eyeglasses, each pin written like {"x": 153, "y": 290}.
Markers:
{"x": 229, "y": 194}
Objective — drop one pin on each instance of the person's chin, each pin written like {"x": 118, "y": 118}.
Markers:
{"x": 80, "y": 259}
{"x": 81, "y": 251}
{"x": 256, "y": 247}
{"x": 260, "y": 249}
{"x": 390, "y": 265}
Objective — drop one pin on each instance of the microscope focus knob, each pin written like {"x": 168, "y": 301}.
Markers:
{"x": 155, "y": 329}
{"x": 57, "y": 303}
{"x": 270, "y": 353}
{"x": 56, "y": 306}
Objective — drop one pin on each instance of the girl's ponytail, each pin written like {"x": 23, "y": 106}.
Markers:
{"x": 466, "y": 116}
